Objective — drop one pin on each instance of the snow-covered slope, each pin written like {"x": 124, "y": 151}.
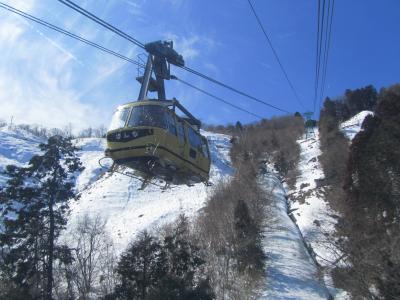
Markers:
{"x": 352, "y": 126}
{"x": 315, "y": 218}
{"x": 291, "y": 272}
{"x": 91, "y": 150}
{"x": 313, "y": 215}
{"x": 126, "y": 209}
{"x": 16, "y": 148}
{"x": 115, "y": 197}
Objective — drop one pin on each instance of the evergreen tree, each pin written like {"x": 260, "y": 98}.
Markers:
{"x": 140, "y": 268}
{"x": 360, "y": 99}
{"x": 34, "y": 206}
{"x": 249, "y": 254}
{"x": 239, "y": 126}
{"x": 183, "y": 261}
{"x": 373, "y": 185}
{"x": 170, "y": 270}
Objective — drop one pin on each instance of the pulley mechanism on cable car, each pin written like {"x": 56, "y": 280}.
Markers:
{"x": 159, "y": 137}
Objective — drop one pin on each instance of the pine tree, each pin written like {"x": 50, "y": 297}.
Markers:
{"x": 140, "y": 268}
{"x": 34, "y": 207}
{"x": 168, "y": 269}
{"x": 372, "y": 186}
{"x": 183, "y": 261}
{"x": 239, "y": 126}
{"x": 249, "y": 254}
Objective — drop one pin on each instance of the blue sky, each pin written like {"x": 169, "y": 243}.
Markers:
{"x": 50, "y": 79}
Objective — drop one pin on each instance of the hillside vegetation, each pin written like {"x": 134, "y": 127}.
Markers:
{"x": 363, "y": 180}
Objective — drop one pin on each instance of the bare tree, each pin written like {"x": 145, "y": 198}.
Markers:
{"x": 93, "y": 256}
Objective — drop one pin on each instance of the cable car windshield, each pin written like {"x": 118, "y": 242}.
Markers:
{"x": 148, "y": 115}
{"x": 119, "y": 118}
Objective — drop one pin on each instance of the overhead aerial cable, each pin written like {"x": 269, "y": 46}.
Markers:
{"x": 320, "y": 36}
{"x": 104, "y": 49}
{"x": 65, "y": 32}
{"x": 234, "y": 89}
{"x": 215, "y": 97}
{"x": 275, "y": 53}
{"x": 317, "y": 56}
{"x": 324, "y": 32}
{"x": 103, "y": 23}
{"x": 328, "y": 43}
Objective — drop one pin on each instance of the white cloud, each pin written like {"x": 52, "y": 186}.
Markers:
{"x": 212, "y": 67}
{"x": 190, "y": 46}
{"x": 135, "y": 8}
{"x": 104, "y": 72}
{"x": 9, "y": 32}
{"x": 36, "y": 76}
{"x": 25, "y": 5}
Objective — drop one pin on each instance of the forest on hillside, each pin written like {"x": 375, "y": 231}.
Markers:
{"x": 364, "y": 186}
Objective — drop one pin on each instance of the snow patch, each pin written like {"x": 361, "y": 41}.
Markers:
{"x": 353, "y": 126}
{"x": 90, "y": 152}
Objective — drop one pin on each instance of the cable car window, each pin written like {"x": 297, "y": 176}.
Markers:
{"x": 119, "y": 118}
{"x": 204, "y": 148}
{"x": 171, "y": 124}
{"x": 148, "y": 115}
{"x": 181, "y": 132}
{"x": 194, "y": 139}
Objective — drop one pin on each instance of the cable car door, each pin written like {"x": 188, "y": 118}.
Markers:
{"x": 172, "y": 141}
{"x": 181, "y": 137}
{"x": 194, "y": 148}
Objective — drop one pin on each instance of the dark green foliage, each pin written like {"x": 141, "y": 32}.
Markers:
{"x": 248, "y": 253}
{"x": 353, "y": 102}
{"x": 168, "y": 269}
{"x": 297, "y": 114}
{"x": 183, "y": 261}
{"x": 360, "y": 99}
{"x": 34, "y": 206}
{"x": 140, "y": 268}
{"x": 238, "y": 126}
{"x": 334, "y": 146}
{"x": 369, "y": 172}
{"x": 373, "y": 185}
{"x": 228, "y": 234}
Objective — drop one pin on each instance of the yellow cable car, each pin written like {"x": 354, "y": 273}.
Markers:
{"x": 150, "y": 137}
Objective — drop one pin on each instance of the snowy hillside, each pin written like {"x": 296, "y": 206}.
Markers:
{"x": 312, "y": 213}
{"x": 352, "y": 126}
{"x": 291, "y": 272}
{"x": 126, "y": 209}
{"x": 16, "y": 148}
{"x": 115, "y": 197}
{"x": 308, "y": 207}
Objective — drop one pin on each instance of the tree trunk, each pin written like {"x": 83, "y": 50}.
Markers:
{"x": 49, "y": 290}
{"x": 144, "y": 279}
